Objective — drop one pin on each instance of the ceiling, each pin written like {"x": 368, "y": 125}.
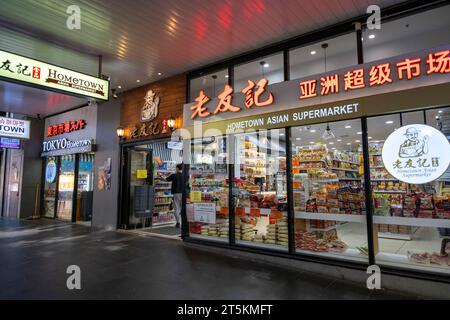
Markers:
{"x": 140, "y": 38}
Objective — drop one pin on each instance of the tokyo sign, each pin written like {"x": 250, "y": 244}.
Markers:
{"x": 416, "y": 154}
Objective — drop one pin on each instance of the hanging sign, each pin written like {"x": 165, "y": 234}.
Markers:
{"x": 416, "y": 154}
{"x": 29, "y": 71}
{"x": 14, "y": 128}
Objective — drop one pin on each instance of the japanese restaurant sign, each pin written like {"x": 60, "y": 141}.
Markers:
{"x": 416, "y": 154}
{"x": 14, "y": 128}
{"x": 33, "y": 72}
{"x": 429, "y": 67}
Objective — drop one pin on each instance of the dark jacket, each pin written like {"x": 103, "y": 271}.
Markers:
{"x": 177, "y": 182}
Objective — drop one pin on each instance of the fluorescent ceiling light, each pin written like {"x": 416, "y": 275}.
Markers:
{"x": 372, "y": 36}
{"x": 313, "y": 52}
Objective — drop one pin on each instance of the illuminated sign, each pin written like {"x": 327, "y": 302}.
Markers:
{"x": 252, "y": 93}
{"x": 416, "y": 154}
{"x": 14, "y": 128}
{"x": 377, "y": 75}
{"x": 9, "y": 143}
{"x": 17, "y": 68}
{"x": 50, "y": 171}
{"x": 64, "y": 146}
{"x": 66, "y": 127}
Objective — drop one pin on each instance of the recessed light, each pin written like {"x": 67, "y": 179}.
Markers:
{"x": 313, "y": 52}
{"x": 389, "y": 122}
{"x": 119, "y": 87}
{"x": 339, "y": 140}
{"x": 159, "y": 73}
{"x": 370, "y": 137}
{"x": 330, "y": 142}
{"x": 440, "y": 111}
{"x": 362, "y": 38}
{"x": 348, "y": 126}
{"x": 281, "y": 134}
{"x": 312, "y": 130}
{"x": 348, "y": 143}
{"x": 357, "y": 141}
{"x": 298, "y": 139}
{"x": 226, "y": 76}
{"x": 312, "y": 142}
{"x": 138, "y": 80}
{"x": 437, "y": 117}
{"x": 359, "y": 132}
{"x": 266, "y": 65}
{"x": 372, "y": 36}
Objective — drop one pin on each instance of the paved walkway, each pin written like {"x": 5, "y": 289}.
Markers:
{"x": 34, "y": 256}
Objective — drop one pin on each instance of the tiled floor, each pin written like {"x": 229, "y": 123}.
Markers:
{"x": 34, "y": 256}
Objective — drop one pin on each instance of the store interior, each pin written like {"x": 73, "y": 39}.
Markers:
{"x": 411, "y": 222}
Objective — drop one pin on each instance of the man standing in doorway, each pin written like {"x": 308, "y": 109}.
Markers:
{"x": 177, "y": 190}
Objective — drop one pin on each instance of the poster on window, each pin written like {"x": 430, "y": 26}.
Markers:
{"x": 205, "y": 212}
{"x": 416, "y": 154}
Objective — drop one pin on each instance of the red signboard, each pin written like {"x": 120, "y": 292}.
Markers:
{"x": 66, "y": 127}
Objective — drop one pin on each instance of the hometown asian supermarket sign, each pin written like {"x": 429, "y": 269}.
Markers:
{"x": 28, "y": 71}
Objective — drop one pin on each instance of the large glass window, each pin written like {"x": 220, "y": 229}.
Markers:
{"x": 260, "y": 184}
{"x": 411, "y": 221}
{"x": 51, "y": 174}
{"x": 212, "y": 84}
{"x": 413, "y": 33}
{"x": 207, "y": 202}
{"x": 328, "y": 188}
{"x": 340, "y": 52}
{"x": 269, "y": 67}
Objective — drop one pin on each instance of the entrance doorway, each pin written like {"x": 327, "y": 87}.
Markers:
{"x": 11, "y": 174}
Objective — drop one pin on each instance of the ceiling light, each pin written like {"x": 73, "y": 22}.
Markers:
{"x": 281, "y": 134}
{"x": 372, "y": 36}
{"x": 370, "y": 137}
{"x": 348, "y": 126}
{"x": 357, "y": 141}
{"x": 266, "y": 65}
{"x": 339, "y": 140}
{"x": 227, "y": 76}
{"x": 313, "y": 52}
{"x": 348, "y": 143}
{"x": 389, "y": 122}
{"x": 330, "y": 142}
{"x": 119, "y": 87}
{"x": 359, "y": 132}
{"x": 440, "y": 111}
{"x": 334, "y": 148}
{"x": 298, "y": 139}
{"x": 138, "y": 80}
{"x": 312, "y": 130}
{"x": 159, "y": 74}
{"x": 312, "y": 142}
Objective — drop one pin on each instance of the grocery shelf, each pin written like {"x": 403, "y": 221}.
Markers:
{"x": 343, "y": 169}
{"x": 388, "y": 191}
{"x": 162, "y": 203}
{"x": 351, "y": 179}
{"x": 351, "y": 162}
{"x": 418, "y": 222}
{"x": 376, "y": 167}
{"x": 262, "y": 245}
{"x": 384, "y": 179}
{"x": 330, "y": 216}
{"x": 162, "y": 188}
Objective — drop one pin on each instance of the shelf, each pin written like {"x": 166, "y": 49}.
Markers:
{"x": 418, "y": 222}
{"x": 377, "y": 167}
{"x": 350, "y": 162}
{"x": 396, "y": 236}
{"x": 374, "y": 154}
{"x": 389, "y": 191}
{"x": 350, "y": 179}
{"x": 386, "y": 179}
{"x": 165, "y": 196}
{"x": 330, "y": 216}
{"x": 306, "y": 161}
{"x": 343, "y": 169}
{"x": 162, "y": 203}
{"x": 163, "y": 188}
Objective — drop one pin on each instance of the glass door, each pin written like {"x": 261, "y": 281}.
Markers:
{"x": 66, "y": 185}
{"x": 51, "y": 172}
{"x": 261, "y": 189}
{"x": 85, "y": 188}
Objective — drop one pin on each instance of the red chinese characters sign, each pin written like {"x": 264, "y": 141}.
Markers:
{"x": 377, "y": 75}
{"x": 66, "y": 127}
{"x": 252, "y": 93}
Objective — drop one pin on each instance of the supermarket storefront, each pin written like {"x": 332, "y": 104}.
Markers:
{"x": 348, "y": 166}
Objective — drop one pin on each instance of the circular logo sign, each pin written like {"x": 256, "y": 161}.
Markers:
{"x": 50, "y": 172}
{"x": 416, "y": 154}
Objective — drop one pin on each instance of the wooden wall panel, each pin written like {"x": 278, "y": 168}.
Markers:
{"x": 172, "y": 94}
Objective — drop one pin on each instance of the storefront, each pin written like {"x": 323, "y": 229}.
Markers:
{"x": 69, "y": 155}
{"x": 150, "y": 152}
{"x": 346, "y": 167}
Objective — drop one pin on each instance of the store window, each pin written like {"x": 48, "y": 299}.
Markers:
{"x": 340, "y": 52}
{"x": 85, "y": 189}
{"x": 412, "y": 117}
{"x": 328, "y": 187}
{"x": 51, "y": 173}
{"x": 416, "y": 32}
{"x": 269, "y": 67}
{"x": 207, "y": 202}
{"x": 212, "y": 84}
{"x": 260, "y": 187}
{"x": 411, "y": 221}
{"x": 66, "y": 183}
